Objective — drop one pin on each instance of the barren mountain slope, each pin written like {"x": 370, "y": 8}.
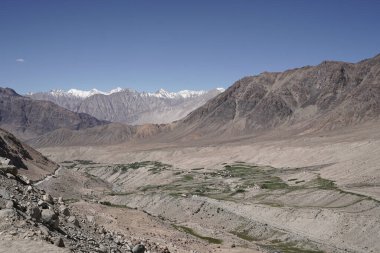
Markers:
{"x": 109, "y": 134}
{"x": 327, "y": 96}
{"x": 27, "y": 118}
{"x": 28, "y": 161}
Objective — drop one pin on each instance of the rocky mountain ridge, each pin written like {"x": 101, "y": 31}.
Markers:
{"x": 312, "y": 98}
{"x": 19, "y": 158}
{"x": 28, "y": 118}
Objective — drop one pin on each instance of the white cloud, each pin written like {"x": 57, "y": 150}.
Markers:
{"x": 20, "y": 60}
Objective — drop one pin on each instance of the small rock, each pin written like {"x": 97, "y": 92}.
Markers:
{"x": 43, "y": 204}
{"x": 60, "y": 200}
{"x": 90, "y": 218}
{"x": 59, "y": 242}
{"x": 13, "y": 233}
{"x": 73, "y": 219}
{"x": 44, "y": 230}
{"x": 35, "y": 212}
{"x": 25, "y": 180}
{"x": 64, "y": 210}
{"x": 139, "y": 248}
{"x": 29, "y": 188}
{"x": 9, "y": 204}
{"x": 47, "y": 198}
{"x": 9, "y": 170}
{"x": 10, "y": 176}
{"x": 102, "y": 249}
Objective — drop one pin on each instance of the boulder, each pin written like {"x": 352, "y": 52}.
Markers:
{"x": 9, "y": 204}
{"x": 34, "y": 212}
{"x": 5, "y": 161}
{"x": 90, "y": 218}
{"x": 10, "y": 176}
{"x": 24, "y": 179}
{"x": 43, "y": 204}
{"x": 50, "y": 218}
{"x": 139, "y": 248}
{"x": 59, "y": 242}
{"x": 64, "y": 210}
{"x": 73, "y": 220}
{"x": 47, "y": 198}
{"x": 29, "y": 188}
{"x": 9, "y": 169}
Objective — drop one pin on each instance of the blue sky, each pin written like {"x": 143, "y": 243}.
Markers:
{"x": 175, "y": 45}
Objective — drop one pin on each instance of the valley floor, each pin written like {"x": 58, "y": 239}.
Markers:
{"x": 307, "y": 193}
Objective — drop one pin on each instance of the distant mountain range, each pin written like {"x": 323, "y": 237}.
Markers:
{"x": 318, "y": 98}
{"x": 129, "y": 106}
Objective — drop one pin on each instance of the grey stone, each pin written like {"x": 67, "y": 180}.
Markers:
{"x": 44, "y": 230}
{"x": 49, "y": 217}
{"x": 90, "y": 218}
{"x": 47, "y": 198}
{"x": 10, "y": 204}
{"x": 73, "y": 219}
{"x": 9, "y": 170}
{"x": 25, "y": 180}
{"x": 59, "y": 242}
{"x": 64, "y": 210}
{"x": 35, "y": 212}
{"x": 29, "y": 188}
{"x": 7, "y": 213}
{"x": 43, "y": 204}
{"x": 139, "y": 248}
{"x": 10, "y": 176}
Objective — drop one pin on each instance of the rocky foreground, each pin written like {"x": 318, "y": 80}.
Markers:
{"x": 29, "y": 216}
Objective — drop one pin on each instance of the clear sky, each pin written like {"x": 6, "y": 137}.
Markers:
{"x": 175, "y": 45}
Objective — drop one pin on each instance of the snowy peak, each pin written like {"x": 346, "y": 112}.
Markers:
{"x": 82, "y": 93}
{"x": 161, "y": 93}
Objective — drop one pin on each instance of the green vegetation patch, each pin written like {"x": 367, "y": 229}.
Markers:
{"x": 324, "y": 184}
{"x": 188, "y": 177}
{"x": 85, "y": 162}
{"x": 153, "y": 166}
{"x": 107, "y": 203}
{"x": 244, "y": 235}
{"x": 193, "y": 233}
{"x": 291, "y": 247}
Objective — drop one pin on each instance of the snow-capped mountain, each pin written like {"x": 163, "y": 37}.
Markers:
{"x": 161, "y": 93}
{"x": 126, "y": 105}
{"x": 78, "y": 93}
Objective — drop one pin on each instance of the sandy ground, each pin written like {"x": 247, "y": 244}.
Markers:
{"x": 137, "y": 224}
{"x": 7, "y": 245}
